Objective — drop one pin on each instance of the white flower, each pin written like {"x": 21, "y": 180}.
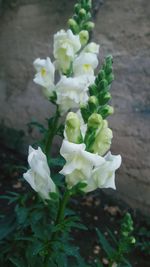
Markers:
{"x": 45, "y": 75}
{"x": 92, "y": 169}
{"x": 71, "y": 92}
{"x": 104, "y": 175}
{"x": 66, "y": 45}
{"x": 92, "y": 48}
{"x": 85, "y": 64}
{"x": 79, "y": 163}
{"x": 38, "y": 176}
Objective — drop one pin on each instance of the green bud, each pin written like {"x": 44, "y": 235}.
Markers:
{"x": 88, "y": 16}
{"x": 89, "y": 5}
{"x": 82, "y": 13}
{"x": 77, "y": 7}
{"x": 98, "y": 136}
{"x": 109, "y": 60}
{"x": 110, "y": 78}
{"x": 93, "y": 125}
{"x": 89, "y": 26}
{"x": 95, "y": 121}
{"x": 108, "y": 70}
{"x": 101, "y": 75}
{"x": 85, "y": 112}
{"x": 103, "y": 85}
{"x": 106, "y": 111}
{"x": 132, "y": 240}
{"x": 84, "y": 37}
{"x": 104, "y": 97}
{"x": 72, "y": 128}
{"x": 93, "y": 89}
{"x": 93, "y": 103}
{"x": 73, "y": 25}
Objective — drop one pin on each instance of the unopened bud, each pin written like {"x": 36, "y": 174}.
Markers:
{"x": 103, "y": 85}
{"x": 104, "y": 97}
{"x": 89, "y": 5}
{"x": 106, "y": 111}
{"x": 73, "y": 25}
{"x": 85, "y": 112}
{"x": 132, "y": 240}
{"x": 93, "y": 103}
{"x": 93, "y": 89}
{"x": 95, "y": 121}
{"x": 82, "y": 13}
{"x": 109, "y": 60}
{"x": 84, "y": 37}
{"x": 72, "y": 128}
{"x": 89, "y": 26}
{"x": 77, "y": 7}
{"x": 110, "y": 78}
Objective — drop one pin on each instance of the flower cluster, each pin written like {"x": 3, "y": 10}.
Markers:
{"x": 87, "y": 137}
{"x": 71, "y": 58}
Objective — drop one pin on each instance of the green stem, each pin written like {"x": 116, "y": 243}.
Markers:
{"x": 61, "y": 212}
{"x": 59, "y": 219}
{"x": 51, "y": 133}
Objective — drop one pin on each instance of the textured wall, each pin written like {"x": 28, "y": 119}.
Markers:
{"x": 122, "y": 29}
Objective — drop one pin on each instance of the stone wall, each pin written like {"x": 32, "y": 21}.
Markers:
{"x": 122, "y": 29}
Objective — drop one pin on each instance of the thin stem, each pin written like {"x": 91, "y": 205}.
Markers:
{"x": 61, "y": 212}
{"x": 59, "y": 219}
{"x": 51, "y": 133}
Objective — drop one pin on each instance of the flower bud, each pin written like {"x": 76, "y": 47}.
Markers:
{"x": 103, "y": 138}
{"x": 95, "y": 121}
{"x": 93, "y": 89}
{"x": 73, "y": 25}
{"x": 85, "y": 112}
{"x": 110, "y": 78}
{"x": 84, "y": 37}
{"x": 82, "y": 13}
{"x": 106, "y": 111}
{"x": 89, "y": 26}
{"x": 104, "y": 97}
{"x": 93, "y": 103}
{"x": 77, "y": 7}
{"x": 89, "y": 5}
{"x": 132, "y": 240}
{"x": 103, "y": 85}
{"x": 72, "y": 128}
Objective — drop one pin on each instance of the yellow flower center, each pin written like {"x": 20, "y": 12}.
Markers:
{"x": 87, "y": 67}
{"x": 43, "y": 72}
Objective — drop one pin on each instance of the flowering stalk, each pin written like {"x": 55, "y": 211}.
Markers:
{"x": 51, "y": 133}
{"x": 61, "y": 212}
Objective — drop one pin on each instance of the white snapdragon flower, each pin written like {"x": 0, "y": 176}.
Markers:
{"x": 85, "y": 64}
{"x": 71, "y": 92}
{"x": 79, "y": 163}
{"x": 45, "y": 75}
{"x": 92, "y": 169}
{"x": 92, "y": 48}
{"x": 104, "y": 175}
{"x": 66, "y": 45}
{"x": 38, "y": 176}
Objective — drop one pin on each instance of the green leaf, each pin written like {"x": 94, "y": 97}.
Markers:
{"x": 18, "y": 262}
{"x": 7, "y": 226}
{"x": 103, "y": 241}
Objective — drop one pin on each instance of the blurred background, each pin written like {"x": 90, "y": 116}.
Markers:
{"x": 123, "y": 30}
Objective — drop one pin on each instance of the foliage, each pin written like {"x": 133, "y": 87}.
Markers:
{"x": 117, "y": 249}
{"x": 143, "y": 238}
